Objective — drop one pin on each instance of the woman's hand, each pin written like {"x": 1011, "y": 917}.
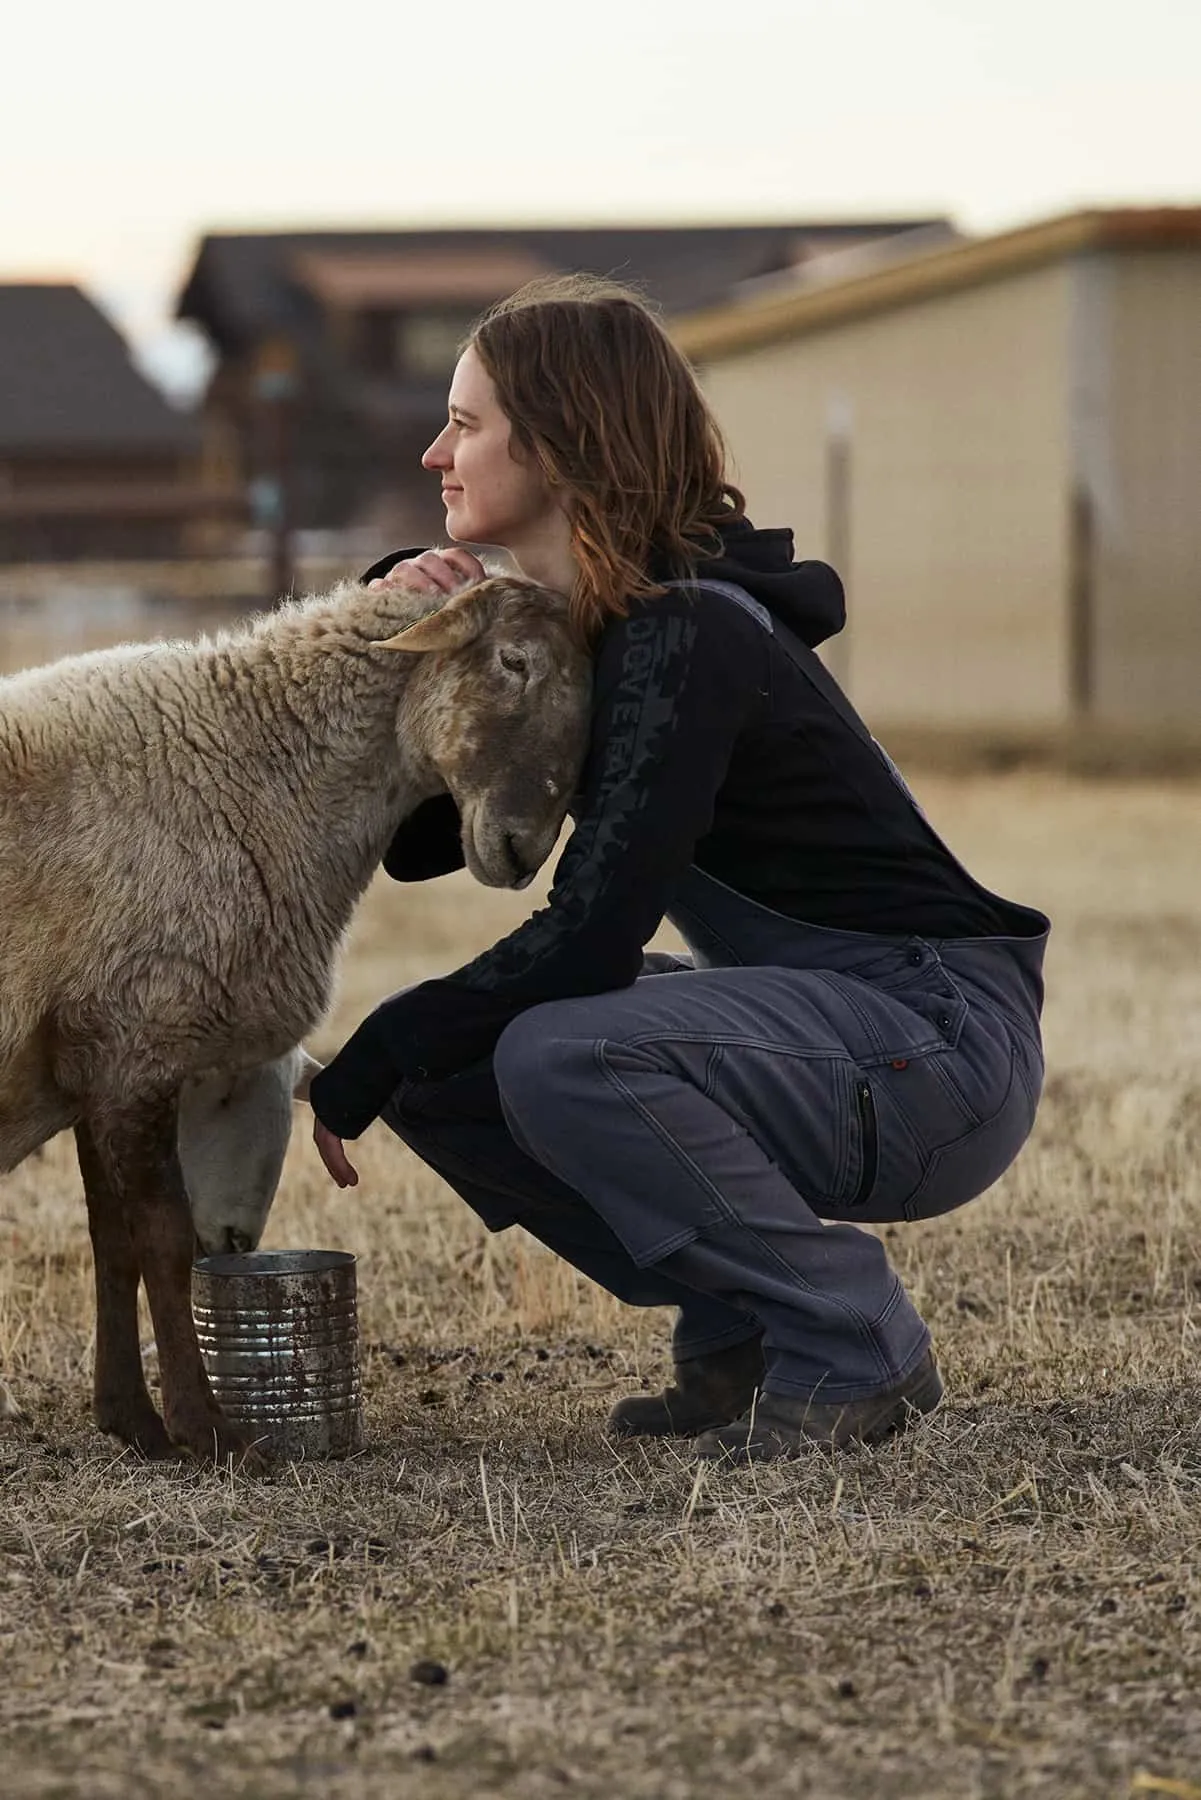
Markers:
{"x": 434, "y": 572}
{"x": 333, "y": 1155}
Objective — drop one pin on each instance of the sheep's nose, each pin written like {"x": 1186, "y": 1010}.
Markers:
{"x": 238, "y": 1242}
{"x": 517, "y": 857}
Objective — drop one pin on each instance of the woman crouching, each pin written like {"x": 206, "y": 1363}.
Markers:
{"x": 854, "y": 1037}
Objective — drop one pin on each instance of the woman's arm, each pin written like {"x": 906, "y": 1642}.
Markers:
{"x": 428, "y": 843}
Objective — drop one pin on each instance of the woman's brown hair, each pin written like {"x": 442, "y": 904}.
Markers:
{"x": 599, "y": 396}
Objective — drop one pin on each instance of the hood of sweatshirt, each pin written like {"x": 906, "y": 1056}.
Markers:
{"x": 807, "y": 597}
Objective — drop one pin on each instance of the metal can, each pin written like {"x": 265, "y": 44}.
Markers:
{"x": 278, "y": 1331}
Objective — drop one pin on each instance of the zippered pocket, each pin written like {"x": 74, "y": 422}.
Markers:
{"x": 869, "y": 1139}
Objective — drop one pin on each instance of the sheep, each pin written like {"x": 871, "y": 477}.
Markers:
{"x": 184, "y": 831}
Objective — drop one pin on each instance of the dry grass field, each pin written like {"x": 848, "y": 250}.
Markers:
{"x": 492, "y": 1600}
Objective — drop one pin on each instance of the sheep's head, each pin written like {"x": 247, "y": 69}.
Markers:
{"x": 234, "y": 1127}
{"x": 500, "y": 709}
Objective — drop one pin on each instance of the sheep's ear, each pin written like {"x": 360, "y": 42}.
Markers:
{"x": 456, "y": 622}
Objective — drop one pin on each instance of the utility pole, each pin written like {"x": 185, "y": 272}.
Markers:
{"x": 275, "y": 389}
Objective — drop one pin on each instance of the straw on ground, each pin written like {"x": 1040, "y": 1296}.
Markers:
{"x": 493, "y": 1601}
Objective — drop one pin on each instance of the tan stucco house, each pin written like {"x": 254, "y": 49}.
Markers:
{"x": 999, "y": 444}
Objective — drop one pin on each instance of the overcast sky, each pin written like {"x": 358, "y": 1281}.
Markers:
{"x": 127, "y": 129}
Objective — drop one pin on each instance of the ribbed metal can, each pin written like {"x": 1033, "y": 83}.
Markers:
{"x": 279, "y": 1335}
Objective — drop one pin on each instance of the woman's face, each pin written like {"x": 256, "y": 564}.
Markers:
{"x": 491, "y": 495}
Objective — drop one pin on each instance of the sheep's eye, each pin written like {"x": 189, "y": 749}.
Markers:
{"x": 514, "y": 661}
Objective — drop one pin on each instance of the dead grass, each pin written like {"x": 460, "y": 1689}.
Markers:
{"x": 1004, "y": 1604}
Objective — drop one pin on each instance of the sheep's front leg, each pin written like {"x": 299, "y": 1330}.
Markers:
{"x": 120, "y": 1401}
{"x": 137, "y": 1149}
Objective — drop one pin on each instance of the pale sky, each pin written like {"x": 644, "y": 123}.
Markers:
{"x": 127, "y": 129}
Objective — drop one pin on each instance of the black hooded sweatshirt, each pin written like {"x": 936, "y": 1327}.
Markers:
{"x": 708, "y": 747}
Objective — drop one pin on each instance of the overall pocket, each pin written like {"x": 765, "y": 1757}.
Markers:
{"x": 959, "y": 1171}
{"x": 917, "y": 1112}
{"x": 869, "y": 1142}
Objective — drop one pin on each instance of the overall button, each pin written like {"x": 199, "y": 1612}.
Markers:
{"x": 916, "y": 958}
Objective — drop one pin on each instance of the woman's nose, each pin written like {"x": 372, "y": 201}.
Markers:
{"x": 438, "y": 455}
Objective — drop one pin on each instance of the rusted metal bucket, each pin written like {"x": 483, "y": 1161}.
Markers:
{"x": 279, "y": 1335}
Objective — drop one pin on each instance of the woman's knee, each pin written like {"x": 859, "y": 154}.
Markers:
{"x": 540, "y": 1054}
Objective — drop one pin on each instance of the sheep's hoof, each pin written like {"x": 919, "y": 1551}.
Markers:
{"x": 138, "y": 1427}
{"x": 213, "y": 1439}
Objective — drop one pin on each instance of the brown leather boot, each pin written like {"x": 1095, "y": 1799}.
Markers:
{"x": 789, "y": 1425}
{"x": 709, "y": 1390}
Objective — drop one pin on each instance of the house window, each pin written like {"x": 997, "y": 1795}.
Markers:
{"x": 376, "y": 341}
{"x": 427, "y": 343}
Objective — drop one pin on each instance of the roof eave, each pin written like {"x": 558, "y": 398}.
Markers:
{"x": 730, "y": 330}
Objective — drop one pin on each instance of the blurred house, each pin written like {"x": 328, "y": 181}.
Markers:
{"x": 999, "y": 444}
{"x": 335, "y": 347}
{"x": 93, "y": 461}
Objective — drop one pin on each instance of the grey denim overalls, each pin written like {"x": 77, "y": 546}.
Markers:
{"x": 713, "y": 1136}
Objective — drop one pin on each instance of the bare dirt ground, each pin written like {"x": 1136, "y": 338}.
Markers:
{"x": 492, "y": 1600}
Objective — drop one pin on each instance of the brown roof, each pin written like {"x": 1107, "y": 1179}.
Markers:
{"x": 728, "y": 330}
{"x": 67, "y": 384}
{"x": 244, "y": 286}
{"x": 344, "y": 278}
